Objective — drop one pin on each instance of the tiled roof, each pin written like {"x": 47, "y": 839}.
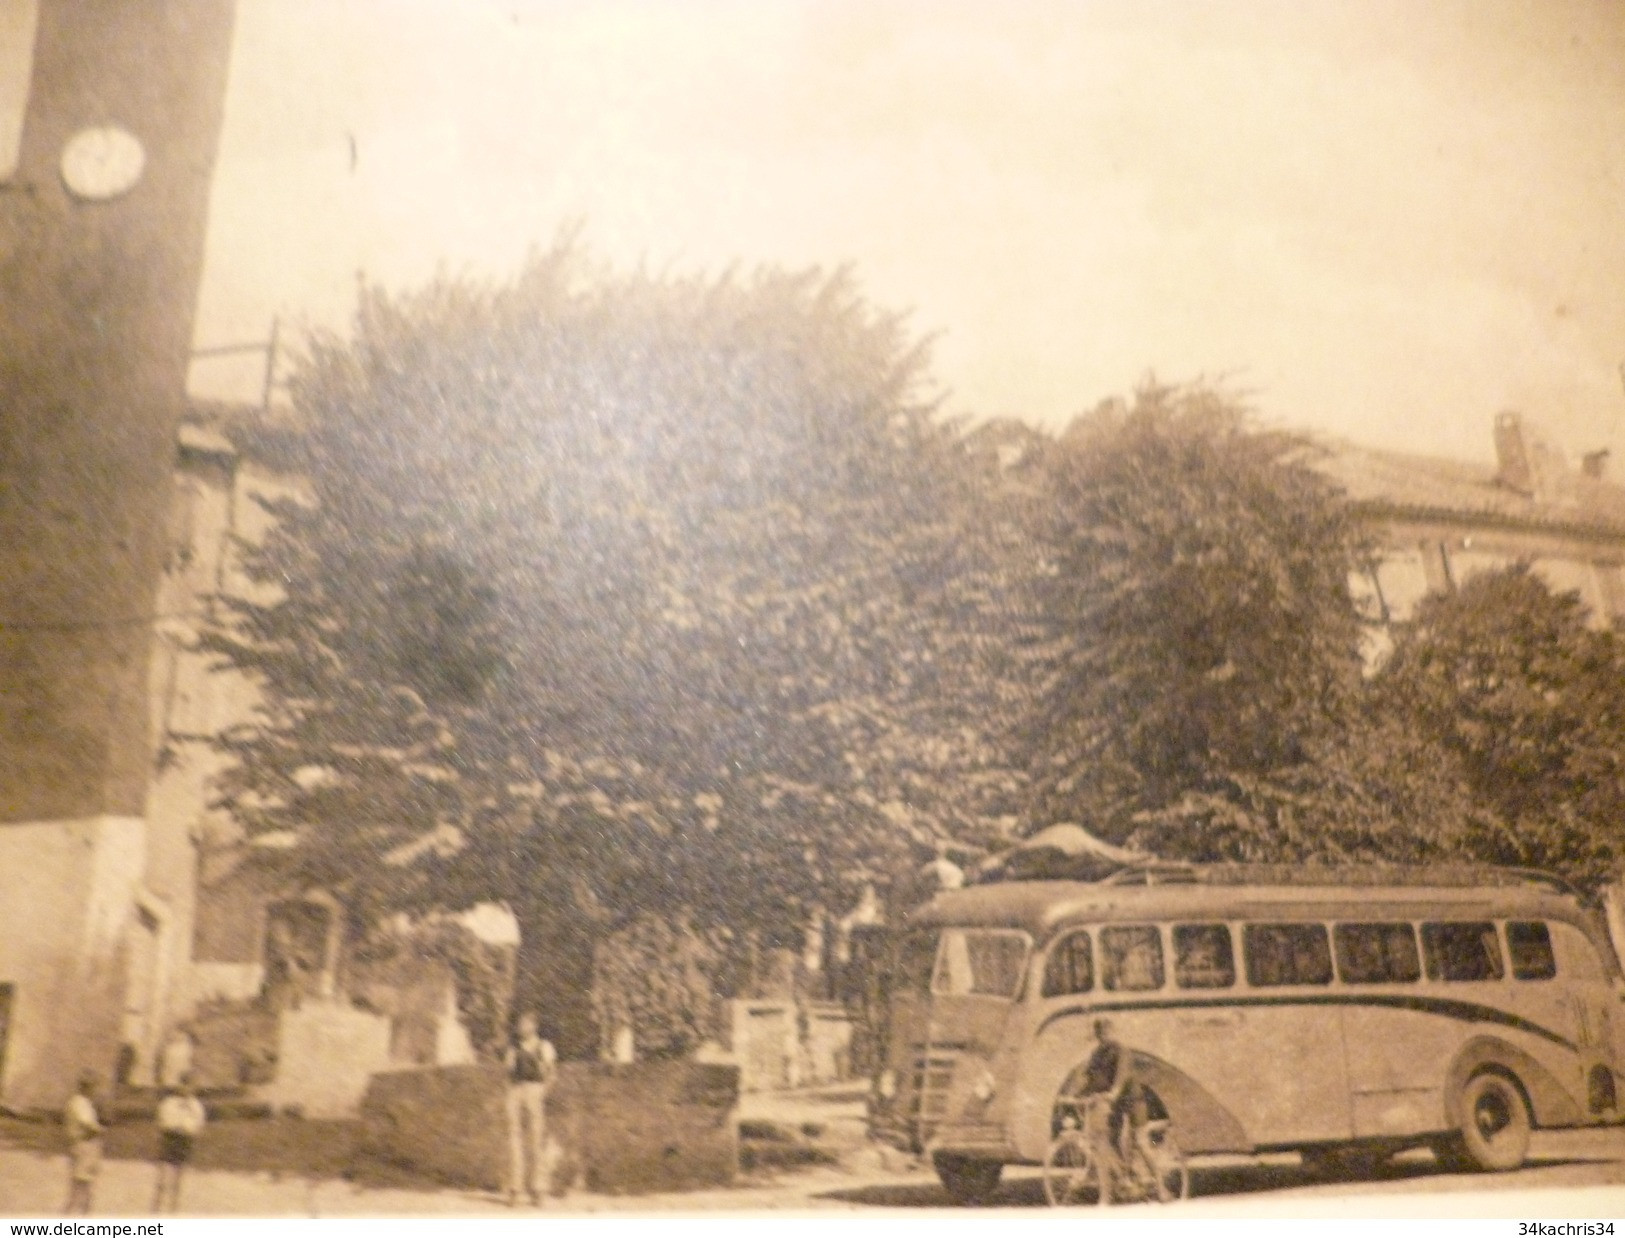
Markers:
{"x": 1397, "y": 483}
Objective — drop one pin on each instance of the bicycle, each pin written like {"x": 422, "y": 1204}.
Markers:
{"x": 1084, "y": 1164}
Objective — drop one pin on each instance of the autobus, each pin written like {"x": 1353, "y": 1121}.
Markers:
{"x": 1349, "y": 1012}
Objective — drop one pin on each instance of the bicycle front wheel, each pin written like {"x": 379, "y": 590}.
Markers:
{"x": 1071, "y": 1172}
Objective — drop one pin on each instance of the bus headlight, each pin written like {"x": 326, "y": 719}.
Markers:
{"x": 984, "y": 1087}
{"x": 886, "y": 1085}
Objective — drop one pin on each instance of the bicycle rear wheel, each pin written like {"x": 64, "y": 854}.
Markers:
{"x": 1071, "y": 1172}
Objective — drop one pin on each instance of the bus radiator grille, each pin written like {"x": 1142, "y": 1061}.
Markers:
{"x": 928, "y": 1093}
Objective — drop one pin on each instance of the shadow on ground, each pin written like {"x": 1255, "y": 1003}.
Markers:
{"x": 1025, "y": 1187}
{"x": 293, "y": 1147}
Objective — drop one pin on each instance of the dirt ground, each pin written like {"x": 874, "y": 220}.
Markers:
{"x": 813, "y": 1157}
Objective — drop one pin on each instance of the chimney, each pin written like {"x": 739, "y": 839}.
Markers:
{"x": 1512, "y": 454}
{"x": 1594, "y": 464}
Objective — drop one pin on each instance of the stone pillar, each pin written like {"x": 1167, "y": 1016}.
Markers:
{"x": 101, "y": 246}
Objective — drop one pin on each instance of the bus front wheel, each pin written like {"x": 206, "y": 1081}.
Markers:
{"x": 1495, "y": 1125}
{"x": 967, "y": 1180}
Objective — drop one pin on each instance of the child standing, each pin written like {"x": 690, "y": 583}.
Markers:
{"x": 84, "y": 1130}
{"x": 180, "y": 1121}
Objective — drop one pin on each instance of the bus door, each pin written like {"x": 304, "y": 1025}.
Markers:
{"x": 1290, "y": 1038}
{"x": 1273, "y": 1061}
{"x": 1208, "y": 1035}
{"x": 1547, "y": 993}
{"x": 1397, "y": 1052}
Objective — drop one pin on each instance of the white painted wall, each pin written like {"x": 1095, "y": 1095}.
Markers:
{"x": 68, "y": 892}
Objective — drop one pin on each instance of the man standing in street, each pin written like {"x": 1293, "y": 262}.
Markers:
{"x": 84, "y": 1131}
{"x": 532, "y": 1064}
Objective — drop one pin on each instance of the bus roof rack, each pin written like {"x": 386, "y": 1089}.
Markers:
{"x": 1156, "y": 875}
{"x": 1351, "y": 874}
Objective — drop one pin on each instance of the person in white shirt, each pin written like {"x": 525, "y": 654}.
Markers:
{"x": 84, "y": 1130}
{"x": 532, "y": 1064}
{"x": 181, "y": 1118}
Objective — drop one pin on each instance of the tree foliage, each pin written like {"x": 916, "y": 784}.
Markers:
{"x": 1198, "y": 598}
{"x": 370, "y": 668}
{"x": 622, "y": 596}
{"x": 1510, "y": 679}
{"x": 482, "y": 973}
{"x": 631, "y": 591}
{"x": 658, "y": 976}
{"x": 1205, "y": 697}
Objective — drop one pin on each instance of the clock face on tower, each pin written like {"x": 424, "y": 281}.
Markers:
{"x": 102, "y": 163}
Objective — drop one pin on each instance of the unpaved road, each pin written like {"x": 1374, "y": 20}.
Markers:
{"x": 1571, "y": 1174}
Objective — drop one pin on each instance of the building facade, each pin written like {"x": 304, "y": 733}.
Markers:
{"x": 109, "y": 115}
{"x": 1435, "y": 523}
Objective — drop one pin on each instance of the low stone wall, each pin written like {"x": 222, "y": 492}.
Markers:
{"x": 650, "y": 1126}
{"x": 326, "y": 1055}
{"x": 829, "y": 1043}
{"x": 779, "y": 1044}
{"x": 236, "y": 1045}
{"x": 764, "y": 1040}
{"x": 448, "y": 1123}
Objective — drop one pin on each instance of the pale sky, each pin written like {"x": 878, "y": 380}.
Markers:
{"x": 1387, "y": 220}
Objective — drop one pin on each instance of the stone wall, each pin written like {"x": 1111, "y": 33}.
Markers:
{"x": 447, "y": 1123}
{"x": 651, "y": 1126}
{"x": 783, "y": 1044}
{"x": 764, "y": 1040}
{"x": 236, "y": 1045}
{"x": 828, "y": 1043}
{"x": 327, "y": 1054}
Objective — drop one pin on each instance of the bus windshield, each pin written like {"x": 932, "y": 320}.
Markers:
{"x": 980, "y": 962}
{"x": 916, "y": 962}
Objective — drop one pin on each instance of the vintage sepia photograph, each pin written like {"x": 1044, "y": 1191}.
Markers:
{"x": 864, "y": 608}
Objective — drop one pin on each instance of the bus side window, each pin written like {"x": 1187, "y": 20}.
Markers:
{"x": 1071, "y": 966}
{"x": 1287, "y": 954}
{"x": 1202, "y": 956}
{"x": 1131, "y": 958}
{"x": 1529, "y": 942}
{"x": 1462, "y": 950}
{"x": 1377, "y": 953}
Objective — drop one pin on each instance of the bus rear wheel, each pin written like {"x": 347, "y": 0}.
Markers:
{"x": 968, "y": 1181}
{"x": 1495, "y": 1126}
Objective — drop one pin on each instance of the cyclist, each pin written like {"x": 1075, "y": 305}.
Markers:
{"x": 1123, "y": 1143}
{"x": 1108, "y": 1080}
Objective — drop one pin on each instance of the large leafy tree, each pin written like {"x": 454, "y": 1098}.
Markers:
{"x": 374, "y": 669}
{"x": 1509, "y": 677}
{"x": 624, "y": 592}
{"x": 1205, "y": 695}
